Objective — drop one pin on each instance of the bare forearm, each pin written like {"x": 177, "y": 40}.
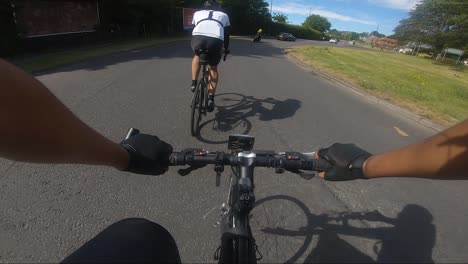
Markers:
{"x": 41, "y": 129}
{"x": 443, "y": 156}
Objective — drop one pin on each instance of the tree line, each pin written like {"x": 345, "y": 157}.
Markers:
{"x": 165, "y": 16}
{"x": 162, "y": 17}
{"x": 438, "y": 23}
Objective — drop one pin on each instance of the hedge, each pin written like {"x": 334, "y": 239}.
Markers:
{"x": 297, "y": 31}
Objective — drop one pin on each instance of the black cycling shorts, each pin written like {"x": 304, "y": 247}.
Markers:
{"x": 133, "y": 240}
{"x": 213, "y": 45}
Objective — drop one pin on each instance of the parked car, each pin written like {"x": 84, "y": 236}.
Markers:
{"x": 334, "y": 40}
{"x": 286, "y": 37}
{"x": 405, "y": 50}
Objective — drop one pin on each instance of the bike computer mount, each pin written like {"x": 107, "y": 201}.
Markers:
{"x": 239, "y": 143}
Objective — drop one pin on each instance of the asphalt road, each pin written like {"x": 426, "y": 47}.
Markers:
{"x": 48, "y": 211}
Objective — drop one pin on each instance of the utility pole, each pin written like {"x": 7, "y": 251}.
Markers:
{"x": 310, "y": 11}
{"x": 271, "y": 17}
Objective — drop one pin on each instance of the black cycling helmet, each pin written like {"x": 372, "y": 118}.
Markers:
{"x": 211, "y": 5}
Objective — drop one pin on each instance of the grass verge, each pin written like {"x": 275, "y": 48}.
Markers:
{"x": 434, "y": 90}
{"x": 55, "y": 59}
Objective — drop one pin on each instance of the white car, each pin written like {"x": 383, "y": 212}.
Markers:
{"x": 333, "y": 40}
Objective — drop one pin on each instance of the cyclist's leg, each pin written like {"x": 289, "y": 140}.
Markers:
{"x": 214, "y": 46}
{"x": 131, "y": 240}
{"x": 195, "y": 67}
{"x": 197, "y": 43}
{"x": 213, "y": 79}
{"x": 213, "y": 83}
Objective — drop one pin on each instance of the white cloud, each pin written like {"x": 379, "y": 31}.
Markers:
{"x": 396, "y": 4}
{"x": 305, "y": 10}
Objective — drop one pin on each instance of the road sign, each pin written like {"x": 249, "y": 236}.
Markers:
{"x": 454, "y": 51}
{"x": 457, "y": 52}
{"x": 188, "y": 17}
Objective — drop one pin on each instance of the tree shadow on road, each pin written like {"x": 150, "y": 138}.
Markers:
{"x": 410, "y": 237}
{"x": 234, "y": 112}
{"x": 164, "y": 52}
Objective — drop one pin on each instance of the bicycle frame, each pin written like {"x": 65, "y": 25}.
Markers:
{"x": 199, "y": 100}
{"x": 204, "y": 87}
{"x": 237, "y": 242}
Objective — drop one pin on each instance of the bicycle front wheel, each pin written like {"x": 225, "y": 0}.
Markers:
{"x": 237, "y": 250}
{"x": 196, "y": 110}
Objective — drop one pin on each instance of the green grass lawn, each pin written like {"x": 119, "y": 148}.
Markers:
{"x": 434, "y": 90}
{"x": 58, "y": 58}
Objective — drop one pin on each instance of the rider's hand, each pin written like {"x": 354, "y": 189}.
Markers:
{"x": 346, "y": 161}
{"x": 147, "y": 154}
{"x": 227, "y": 51}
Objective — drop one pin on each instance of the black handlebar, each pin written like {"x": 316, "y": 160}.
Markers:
{"x": 291, "y": 161}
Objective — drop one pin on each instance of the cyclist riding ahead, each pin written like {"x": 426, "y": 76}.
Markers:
{"x": 210, "y": 33}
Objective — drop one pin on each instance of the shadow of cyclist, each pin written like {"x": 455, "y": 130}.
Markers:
{"x": 235, "y": 111}
{"x": 266, "y": 109}
{"x": 410, "y": 237}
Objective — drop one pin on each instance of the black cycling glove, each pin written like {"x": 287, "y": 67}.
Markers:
{"x": 346, "y": 162}
{"x": 148, "y": 154}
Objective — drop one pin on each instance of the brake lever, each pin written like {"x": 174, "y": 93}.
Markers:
{"x": 305, "y": 175}
{"x": 188, "y": 170}
{"x": 218, "y": 179}
{"x": 219, "y": 167}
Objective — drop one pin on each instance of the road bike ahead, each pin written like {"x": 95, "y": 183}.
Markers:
{"x": 199, "y": 102}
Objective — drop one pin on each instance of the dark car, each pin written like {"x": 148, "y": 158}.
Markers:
{"x": 286, "y": 37}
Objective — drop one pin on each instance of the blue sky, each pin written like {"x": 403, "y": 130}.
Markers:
{"x": 349, "y": 15}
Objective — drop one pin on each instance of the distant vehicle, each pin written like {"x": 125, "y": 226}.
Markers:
{"x": 405, "y": 50}
{"x": 286, "y": 36}
{"x": 334, "y": 40}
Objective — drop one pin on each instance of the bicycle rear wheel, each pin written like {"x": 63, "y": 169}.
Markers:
{"x": 196, "y": 106}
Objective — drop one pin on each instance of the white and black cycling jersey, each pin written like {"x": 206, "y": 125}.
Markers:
{"x": 210, "y": 23}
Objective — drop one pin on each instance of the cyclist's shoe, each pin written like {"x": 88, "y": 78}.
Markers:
{"x": 211, "y": 104}
{"x": 193, "y": 86}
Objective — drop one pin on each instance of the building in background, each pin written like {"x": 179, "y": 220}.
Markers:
{"x": 42, "y": 18}
{"x": 386, "y": 43}
{"x": 43, "y": 24}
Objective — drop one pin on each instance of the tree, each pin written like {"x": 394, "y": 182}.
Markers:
{"x": 8, "y": 29}
{"x": 352, "y": 36}
{"x": 247, "y": 15}
{"x": 439, "y": 23}
{"x": 346, "y": 35}
{"x": 377, "y": 34}
{"x": 280, "y": 18}
{"x": 317, "y": 22}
